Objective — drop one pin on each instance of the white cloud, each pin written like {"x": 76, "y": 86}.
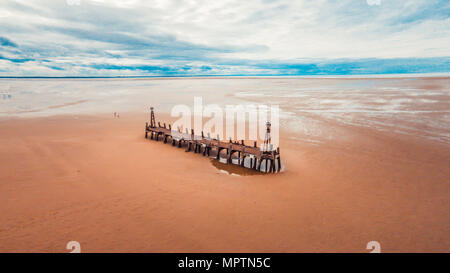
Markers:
{"x": 135, "y": 31}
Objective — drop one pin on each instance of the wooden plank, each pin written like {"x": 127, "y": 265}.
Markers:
{"x": 198, "y": 143}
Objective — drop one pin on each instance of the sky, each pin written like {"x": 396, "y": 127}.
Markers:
{"x": 204, "y": 37}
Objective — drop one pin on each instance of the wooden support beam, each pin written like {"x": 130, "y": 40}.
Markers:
{"x": 188, "y": 147}
{"x": 203, "y": 145}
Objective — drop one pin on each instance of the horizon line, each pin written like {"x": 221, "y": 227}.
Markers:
{"x": 381, "y": 75}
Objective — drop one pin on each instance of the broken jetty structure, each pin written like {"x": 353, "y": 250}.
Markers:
{"x": 258, "y": 158}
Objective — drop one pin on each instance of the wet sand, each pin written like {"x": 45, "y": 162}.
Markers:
{"x": 97, "y": 180}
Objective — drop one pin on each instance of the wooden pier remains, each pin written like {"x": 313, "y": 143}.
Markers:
{"x": 264, "y": 158}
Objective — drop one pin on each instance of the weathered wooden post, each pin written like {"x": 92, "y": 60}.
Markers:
{"x": 267, "y": 138}
{"x": 146, "y": 128}
{"x": 266, "y": 155}
{"x": 152, "y": 118}
{"x": 191, "y": 143}
{"x": 279, "y": 159}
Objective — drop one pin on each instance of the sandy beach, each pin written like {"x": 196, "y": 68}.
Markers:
{"x": 95, "y": 179}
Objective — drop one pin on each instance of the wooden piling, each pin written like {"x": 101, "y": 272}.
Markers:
{"x": 271, "y": 157}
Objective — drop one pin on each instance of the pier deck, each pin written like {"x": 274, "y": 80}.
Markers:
{"x": 268, "y": 160}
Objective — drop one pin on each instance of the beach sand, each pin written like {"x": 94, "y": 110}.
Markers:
{"x": 95, "y": 179}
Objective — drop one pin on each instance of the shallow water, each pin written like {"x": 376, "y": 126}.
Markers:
{"x": 417, "y": 106}
{"x": 234, "y": 169}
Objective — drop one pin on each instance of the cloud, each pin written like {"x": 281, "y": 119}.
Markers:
{"x": 361, "y": 66}
{"x": 174, "y": 37}
{"x": 15, "y": 60}
{"x": 6, "y": 42}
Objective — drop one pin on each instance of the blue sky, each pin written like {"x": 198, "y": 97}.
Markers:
{"x": 253, "y": 37}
